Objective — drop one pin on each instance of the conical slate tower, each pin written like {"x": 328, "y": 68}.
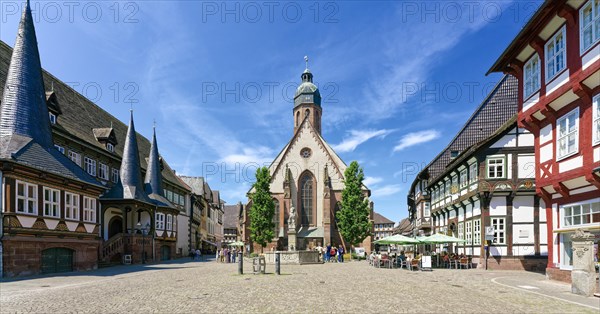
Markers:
{"x": 153, "y": 180}
{"x": 24, "y": 111}
{"x": 130, "y": 185}
{"x": 25, "y": 132}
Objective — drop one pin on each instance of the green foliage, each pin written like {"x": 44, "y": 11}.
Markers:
{"x": 353, "y": 217}
{"x": 262, "y": 210}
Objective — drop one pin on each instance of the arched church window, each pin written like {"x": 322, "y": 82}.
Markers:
{"x": 276, "y": 217}
{"x": 307, "y": 113}
{"x": 306, "y": 184}
{"x": 297, "y": 118}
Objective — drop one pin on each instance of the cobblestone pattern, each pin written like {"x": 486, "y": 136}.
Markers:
{"x": 186, "y": 287}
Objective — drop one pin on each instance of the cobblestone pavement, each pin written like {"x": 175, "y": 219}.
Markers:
{"x": 185, "y": 287}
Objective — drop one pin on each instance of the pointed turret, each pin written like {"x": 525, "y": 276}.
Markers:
{"x": 24, "y": 111}
{"x": 153, "y": 180}
{"x": 130, "y": 185}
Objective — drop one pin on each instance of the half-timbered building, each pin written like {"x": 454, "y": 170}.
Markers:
{"x": 53, "y": 216}
{"x": 486, "y": 182}
{"x": 556, "y": 58}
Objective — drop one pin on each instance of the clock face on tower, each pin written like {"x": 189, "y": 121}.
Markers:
{"x": 305, "y": 152}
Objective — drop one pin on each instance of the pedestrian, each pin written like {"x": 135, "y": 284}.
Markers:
{"x": 233, "y": 255}
{"x": 341, "y": 254}
{"x": 218, "y": 254}
{"x": 333, "y": 254}
{"x": 328, "y": 252}
{"x": 191, "y": 254}
{"x": 198, "y": 254}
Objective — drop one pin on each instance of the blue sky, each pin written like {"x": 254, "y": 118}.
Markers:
{"x": 398, "y": 78}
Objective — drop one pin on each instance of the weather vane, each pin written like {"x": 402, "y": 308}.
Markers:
{"x": 306, "y": 60}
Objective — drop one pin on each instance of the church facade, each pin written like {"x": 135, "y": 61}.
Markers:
{"x": 307, "y": 178}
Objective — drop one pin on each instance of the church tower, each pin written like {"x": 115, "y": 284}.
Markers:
{"x": 307, "y": 102}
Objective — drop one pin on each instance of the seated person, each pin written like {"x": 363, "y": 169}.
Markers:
{"x": 402, "y": 257}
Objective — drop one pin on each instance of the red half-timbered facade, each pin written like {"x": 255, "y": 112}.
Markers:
{"x": 556, "y": 58}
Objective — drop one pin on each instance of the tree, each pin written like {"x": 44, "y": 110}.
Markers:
{"x": 262, "y": 209}
{"x": 353, "y": 218}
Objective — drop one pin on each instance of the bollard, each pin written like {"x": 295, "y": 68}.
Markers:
{"x": 277, "y": 263}
{"x": 241, "y": 263}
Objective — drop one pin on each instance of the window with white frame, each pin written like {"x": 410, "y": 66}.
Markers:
{"x": 454, "y": 187}
{"x": 169, "y": 222}
{"x": 567, "y": 134}
{"x": 75, "y": 157}
{"x": 103, "y": 171}
{"x": 71, "y": 206}
{"x": 531, "y": 76}
{"x": 589, "y": 24}
{"x": 59, "y": 148}
{"x": 51, "y": 202}
{"x": 469, "y": 232}
{"x": 495, "y": 168}
{"x": 26, "y": 198}
{"x": 52, "y": 117}
{"x": 174, "y": 223}
{"x": 499, "y": 230}
{"x": 90, "y": 166}
{"x": 581, "y": 214}
{"x": 89, "y": 209}
{"x": 447, "y": 188}
{"x": 463, "y": 178}
{"x": 473, "y": 172}
{"x": 596, "y": 120}
{"x": 477, "y": 231}
{"x": 461, "y": 230}
{"x": 160, "y": 221}
{"x": 556, "y": 54}
{"x": 115, "y": 175}
{"x": 426, "y": 209}
{"x": 110, "y": 147}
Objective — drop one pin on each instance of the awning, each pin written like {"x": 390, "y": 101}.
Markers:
{"x": 567, "y": 230}
{"x": 213, "y": 244}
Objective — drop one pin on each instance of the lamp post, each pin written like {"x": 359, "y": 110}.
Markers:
{"x": 144, "y": 231}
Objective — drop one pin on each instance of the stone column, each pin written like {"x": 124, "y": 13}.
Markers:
{"x": 583, "y": 275}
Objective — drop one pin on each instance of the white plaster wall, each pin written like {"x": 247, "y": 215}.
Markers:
{"x": 452, "y": 214}
{"x": 89, "y": 227}
{"x": 509, "y": 140}
{"x": 542, "y": 211}
{"x": 546, "y": 134}
{"x": 72, "y": 226}
{"x": 26, "y": 221}
{"x": 497, "y": 250}
{"x": 557, "y": 82}
{"x": 544, "y": 250}
{"x": 570, "y": 164}
{"x": 526, "y": 140}
{"x": 546, "y": 152}
{"x": 531, "y": 101}
{"x": 526, "y": 250}
{"x": 461, "y": 215}
{"x": 498, "y": 206}
{"x": 51, "y": 223}
{"x": 526, "y": 166}
{"x": 555, "y": 235}
{"x": 469, "y": 211}
{"x": 596, "y": 154}
{"x": 543, "y": 233}
{"x": 590, "y": 57}
{"x": 523, "y": 234}
{"x": 523, "y": 209}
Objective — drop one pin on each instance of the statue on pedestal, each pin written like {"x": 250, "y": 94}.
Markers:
{"x": 292, "y": 219}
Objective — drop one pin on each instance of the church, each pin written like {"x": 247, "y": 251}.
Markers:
{"x": 307, "y": 179}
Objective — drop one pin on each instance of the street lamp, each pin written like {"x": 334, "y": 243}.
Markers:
{"x": 144, "y": 231}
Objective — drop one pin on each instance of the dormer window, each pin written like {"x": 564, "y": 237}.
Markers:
{"x": 110, "y": 147}
{"x": 52, "y": 118}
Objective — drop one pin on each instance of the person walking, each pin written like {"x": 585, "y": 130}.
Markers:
{"x": 198, "y": 254}
{"x": 217, "y": 256}
{"x": 327, "y": 253}
{"x": 341, "y": 254}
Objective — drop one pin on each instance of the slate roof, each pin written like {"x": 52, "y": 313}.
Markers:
{"x": 216, "y": 198}
{"x": 380, "y": 219}
{"x": 25, "y": 133}
{"x": 195, "y": 183}
{"x": 80, "y": 116}
{"x": 231, "y": 216}
{"x": 130, "y": 185}
{"x": 499, "y": 106}
{"x": 153, "y": 180}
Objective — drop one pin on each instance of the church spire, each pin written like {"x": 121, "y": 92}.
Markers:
{"x": 153, "y": 180}
{"x": 23, "y": 109}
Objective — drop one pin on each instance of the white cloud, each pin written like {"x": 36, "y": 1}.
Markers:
{"x": 387, "y": 190}
{"x": 372, "y": 180}
{"x": 358, "y": 137}
{"x": 415, "y": 138}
